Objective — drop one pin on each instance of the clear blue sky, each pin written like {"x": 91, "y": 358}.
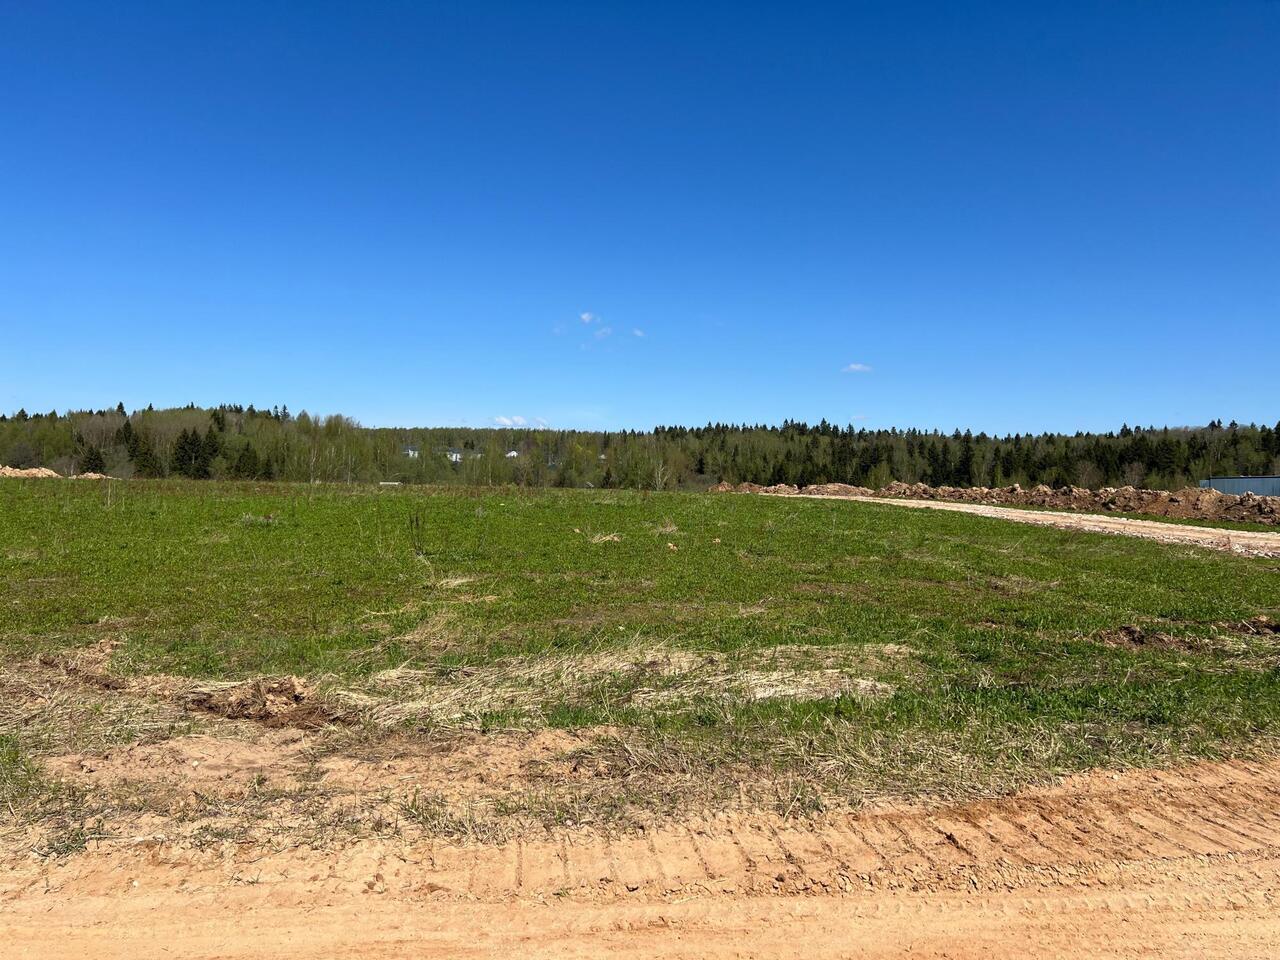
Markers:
{"x": 1005, "y": 216}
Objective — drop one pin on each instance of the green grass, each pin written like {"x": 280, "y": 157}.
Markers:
{"x": 993, "y": 673}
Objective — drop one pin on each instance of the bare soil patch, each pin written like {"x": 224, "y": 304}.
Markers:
{"x": 1180, "y": 863}
{"x": 197, "y": 762}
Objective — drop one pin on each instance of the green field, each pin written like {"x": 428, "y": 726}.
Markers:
{"x": 823, "y": 650}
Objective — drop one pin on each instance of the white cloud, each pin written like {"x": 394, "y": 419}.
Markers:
{"x": 589, "y": 317}
{"x": 856, "y": 368}
{"x": 510, "y": 421}
{"x": 637, "y": 332}
{"x": 603, "y": 332}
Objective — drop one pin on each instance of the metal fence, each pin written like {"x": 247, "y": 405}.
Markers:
{"x": 1262, "y": 486}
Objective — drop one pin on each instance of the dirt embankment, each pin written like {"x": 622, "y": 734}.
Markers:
{"x": 1181, "y": 863}
{"x": 1190, "y": 503}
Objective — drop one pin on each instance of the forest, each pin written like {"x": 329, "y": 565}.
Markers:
{"x": 232, "y": 441}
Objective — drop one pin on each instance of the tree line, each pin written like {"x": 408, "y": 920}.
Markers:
{"x": 238, "y": 442}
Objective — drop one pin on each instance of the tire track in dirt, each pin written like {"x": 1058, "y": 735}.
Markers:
{"x": 1175, "y": 863}
{"x": 1223, "y": 909}
{"x": 1086, "y": 825}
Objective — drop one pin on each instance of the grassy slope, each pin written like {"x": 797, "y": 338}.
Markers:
{"x": 1003, "y": 680}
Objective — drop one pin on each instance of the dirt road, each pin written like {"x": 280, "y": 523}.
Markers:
{"x": 1248, "y": 542}
{"x": 1183, "y": 863}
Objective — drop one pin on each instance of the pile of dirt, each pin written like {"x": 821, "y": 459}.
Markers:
{"x": 273, "y": 702}
{"x": 782, "y": 490}
{"x": 28, "y": 472}
{"x": 838, "y": 490}
{"x": 1186, "y": 504}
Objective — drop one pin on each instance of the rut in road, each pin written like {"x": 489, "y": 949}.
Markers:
{"x": 1059, "y": 835}
{"x": 1037, "y": 836}
{"x": 1171, "y": 864}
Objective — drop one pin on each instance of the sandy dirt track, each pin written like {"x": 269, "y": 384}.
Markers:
{"x": 1182, "y": 863}
{"x": 1247, "y": 542}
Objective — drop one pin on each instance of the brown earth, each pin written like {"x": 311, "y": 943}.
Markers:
{"x": 44, "y": 473}
{"x": 28, "y": 472}
{"x": 1187, "y": 504}
{"x": 1181, "y": 863}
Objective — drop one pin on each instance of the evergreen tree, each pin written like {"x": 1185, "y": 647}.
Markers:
{"x": 145, "y": 461}
{"x": 187, "y": 457}
{"x": 246, "y": 466}
{"x": 91, "y": 461}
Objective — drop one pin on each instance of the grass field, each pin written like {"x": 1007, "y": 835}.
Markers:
{"x": 811, "y": 652}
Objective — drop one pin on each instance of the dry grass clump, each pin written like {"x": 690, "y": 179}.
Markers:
{"x": 755, "y": 685}
{"x": 626, "y": 676}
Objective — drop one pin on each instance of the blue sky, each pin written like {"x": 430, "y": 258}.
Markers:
{"x": 1010, "y": 217}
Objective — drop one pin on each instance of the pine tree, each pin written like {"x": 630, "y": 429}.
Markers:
{"x": 186, "y": 456}
{"x": 91, "y": 461}
{"x": 206, "y": 451}
{"x": 246, "y": 466}
{"x": 125, "y": 436}
{"x": 145, "y": 461}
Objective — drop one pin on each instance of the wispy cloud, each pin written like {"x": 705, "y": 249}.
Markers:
{"x": 597, "y": 334}
{"x": 856, "y": 368}
{"x": 511, "y": 421}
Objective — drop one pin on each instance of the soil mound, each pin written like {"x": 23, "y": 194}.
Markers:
{"x": 28, "y": 472}
{"x": 1190, "y": 503}
{"x": 839, "y": 490}
{"x": 273, "y": 702}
